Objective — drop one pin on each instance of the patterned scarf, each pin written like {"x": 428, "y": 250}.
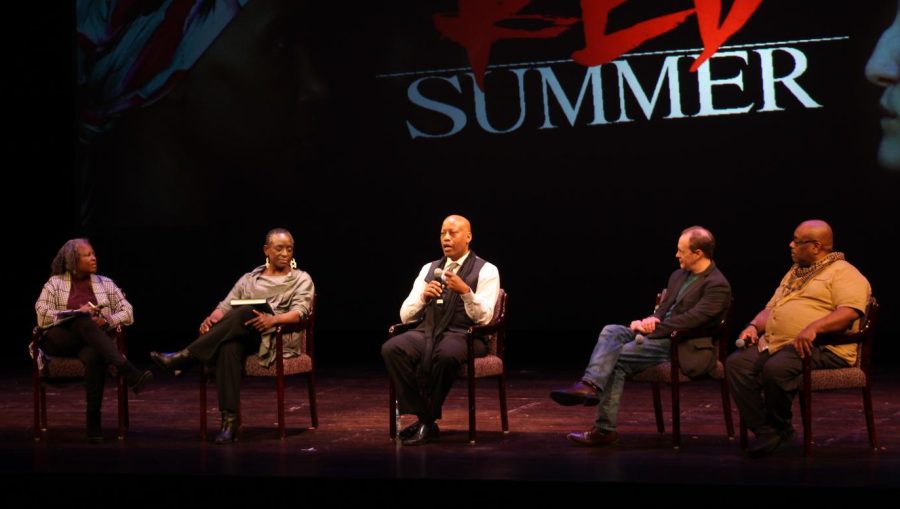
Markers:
{"x": 801, "y": 275}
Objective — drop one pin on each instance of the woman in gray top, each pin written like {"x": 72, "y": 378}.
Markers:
{"x": 228, "y": 332}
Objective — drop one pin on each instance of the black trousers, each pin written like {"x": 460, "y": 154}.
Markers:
{"x": 81, "y": 337}
{"x": 227, "y": 343}
{"x": 402, "y": 354}
{"x": 764, "y": 385}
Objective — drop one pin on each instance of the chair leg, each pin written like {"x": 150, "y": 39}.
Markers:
{"x": 240, "y": 420}
{"x": 743, "y": 427}
{"x": 203, "y": 403}
{"x": 122, "y": 393}
{"x": 676, "y": 413}
{"x": 37, "y": 408}
{"x": 870, "y": 417}
{"x": 43, "y": 408}
{"x": 504, "y": 416}
{"x": 726, "y": 408}
{"x": 313, "y": 408}
{"x": 471, "y": 379}
{"x": 126, "y": 411}
{"x": 806, "y": 416}
{"x": 657, "y": 408}
{"x": 392, "y": 411}
{"x": 279, "y": 389}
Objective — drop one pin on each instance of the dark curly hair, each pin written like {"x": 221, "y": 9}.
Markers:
{"x": 67, "y": 258}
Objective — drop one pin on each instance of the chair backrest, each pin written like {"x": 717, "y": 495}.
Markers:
{"x": 866, "y": 325}
{"x": 862, "y": 337}
{"x": 496, "y": 339}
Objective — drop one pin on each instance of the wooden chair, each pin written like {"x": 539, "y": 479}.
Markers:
{"x": 670, "y": 372}
{"x": 282, "y": 367}
{"x": 54, "y": 370}
{"x": 491, "y": 365}
{"x": 853, "y": 377}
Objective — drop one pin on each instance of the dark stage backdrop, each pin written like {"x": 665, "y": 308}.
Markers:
{"x": 577, "y": 179}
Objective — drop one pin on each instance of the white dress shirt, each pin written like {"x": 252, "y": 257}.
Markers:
{"x": 479, "y": 304}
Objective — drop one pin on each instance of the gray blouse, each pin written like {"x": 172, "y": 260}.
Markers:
{"x": 291, "y": 292}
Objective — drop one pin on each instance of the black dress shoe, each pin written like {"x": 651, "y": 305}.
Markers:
{"x": 172, "y": 361}
{"x": 140, "y": 382}
{"x": 228, "y": 431}
{"x": 425, "y": 433}
{"x": 581, "y": 393}
{"x": 767, "y": 443}
{"x": 408, "y": 432}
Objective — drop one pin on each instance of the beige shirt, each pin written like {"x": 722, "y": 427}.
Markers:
{"x": 839, "y": 284}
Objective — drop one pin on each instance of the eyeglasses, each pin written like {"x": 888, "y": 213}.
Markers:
{"x": 798, "y": 242}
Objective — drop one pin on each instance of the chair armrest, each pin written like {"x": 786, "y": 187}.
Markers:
{"x": 497, "y": 323}
{"x": 399, "y": 328}
{"x": 34, "y": 345}
{"x": 481, "y": 330}
{"x": 840, "y": 338}
{"x": 285, "y": 328}
{"x": 288, "y": 328}
{"x": 679, "y": 335}
{"x": 119, "y": 337}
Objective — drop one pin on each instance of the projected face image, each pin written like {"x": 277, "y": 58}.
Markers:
{"x": 883, "y": 69}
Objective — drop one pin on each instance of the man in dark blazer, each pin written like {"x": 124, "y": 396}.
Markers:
{"x": 696, "y": 298}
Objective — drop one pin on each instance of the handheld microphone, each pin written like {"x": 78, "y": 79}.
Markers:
{"x": 743, "y": 342}
{"x": 439, "y": 277}
{"x": 639, "y": 338}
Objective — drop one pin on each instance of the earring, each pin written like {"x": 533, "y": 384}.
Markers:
{"x": 293, "y": 263}
{"x": 267, "y": 262}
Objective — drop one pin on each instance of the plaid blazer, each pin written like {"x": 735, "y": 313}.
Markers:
{"x": 115, "y": 309}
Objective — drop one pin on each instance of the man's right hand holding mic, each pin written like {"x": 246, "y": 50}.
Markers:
{"x": 753, "y": 333}
{"x": 750, "y": 336}
{"x": 435, "y": 287}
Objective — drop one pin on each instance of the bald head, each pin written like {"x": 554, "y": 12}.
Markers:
{"x": 456, "y": 233}
{"x": 812, "y": 242}
{"x": 818, "y": 230}
{"x": 459, "y": 221}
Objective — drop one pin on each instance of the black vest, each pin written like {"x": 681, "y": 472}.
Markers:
{"x": 452, "y": 314}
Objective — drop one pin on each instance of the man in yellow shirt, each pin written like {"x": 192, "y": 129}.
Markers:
{"x": 821, "y": 293}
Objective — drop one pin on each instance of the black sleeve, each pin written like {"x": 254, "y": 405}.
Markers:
{"x": 715, "y": 300}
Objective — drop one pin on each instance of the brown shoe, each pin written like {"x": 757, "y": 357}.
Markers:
{"x": 582, "y": 393}
{"x": 595, "y": 438}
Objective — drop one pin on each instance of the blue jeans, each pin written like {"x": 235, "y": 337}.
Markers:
{"x": 616, "y": 355}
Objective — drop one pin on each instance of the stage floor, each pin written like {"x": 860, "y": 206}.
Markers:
{"x": 350, "y": 453}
